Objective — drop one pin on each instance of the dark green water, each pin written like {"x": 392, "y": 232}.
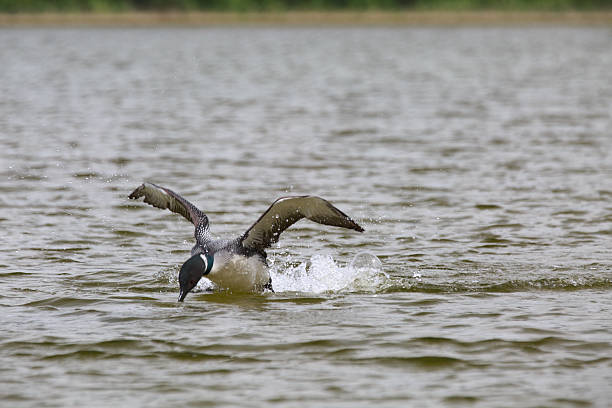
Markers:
{"x": 479, "y": 162}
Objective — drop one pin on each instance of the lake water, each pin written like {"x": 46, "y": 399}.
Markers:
{"x": 478, "y": 160}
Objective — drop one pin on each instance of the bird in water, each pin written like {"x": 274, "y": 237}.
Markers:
{"x": 239, "y": 264}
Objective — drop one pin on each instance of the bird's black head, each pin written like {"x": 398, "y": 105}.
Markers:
{"x": 192, "y": 271}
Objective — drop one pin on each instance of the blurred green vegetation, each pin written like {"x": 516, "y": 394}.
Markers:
{"x": 14, "y": 6}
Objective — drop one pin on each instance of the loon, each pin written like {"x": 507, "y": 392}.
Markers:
{"x": 239, "y": 264}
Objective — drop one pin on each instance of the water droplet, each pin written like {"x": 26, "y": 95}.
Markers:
{"x": 366, "y": 261}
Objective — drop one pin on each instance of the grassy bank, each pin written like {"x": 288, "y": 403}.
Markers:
{"x": 51, "y": 6}
{"x": 481, "y": 18}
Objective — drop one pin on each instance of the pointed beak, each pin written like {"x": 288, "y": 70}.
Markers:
{"x": 182, "y": 295}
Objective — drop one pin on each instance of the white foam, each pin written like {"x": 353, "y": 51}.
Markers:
{"x": 322, "y": 274}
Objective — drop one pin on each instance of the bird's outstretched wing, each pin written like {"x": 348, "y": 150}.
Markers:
{"x": 165, "y": 198}
{"x": 285, "y": 211}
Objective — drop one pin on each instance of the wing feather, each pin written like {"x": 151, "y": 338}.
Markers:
{"x": 286, "y": 211}
{"x": 167, "y": 199}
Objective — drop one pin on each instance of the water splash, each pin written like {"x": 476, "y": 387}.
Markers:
{"x": 322, "y": 274}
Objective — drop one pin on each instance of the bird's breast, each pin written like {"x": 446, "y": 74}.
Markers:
{"x": 238, "y": 273}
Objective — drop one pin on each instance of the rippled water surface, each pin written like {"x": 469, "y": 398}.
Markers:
{"x": 479, "y": 161}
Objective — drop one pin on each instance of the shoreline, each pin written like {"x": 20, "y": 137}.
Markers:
{"x": 305, "y": 18}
